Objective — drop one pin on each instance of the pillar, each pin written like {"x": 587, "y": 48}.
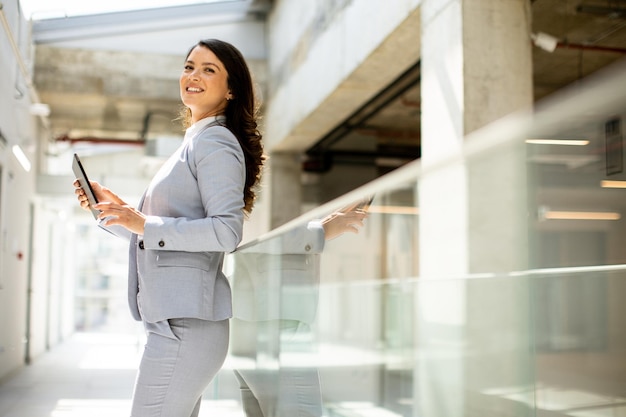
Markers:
{"x": 476, "y": 68}
{"x": 284, "y": 171}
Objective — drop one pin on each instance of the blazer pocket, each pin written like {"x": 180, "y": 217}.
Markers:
{"x": 198, "y": 260}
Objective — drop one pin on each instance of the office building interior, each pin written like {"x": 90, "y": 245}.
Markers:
{"x": 483, "y": 138}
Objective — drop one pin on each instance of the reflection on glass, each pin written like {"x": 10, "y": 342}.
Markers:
{"x": 368, "y": 324}
{"x": 276, "y": 283}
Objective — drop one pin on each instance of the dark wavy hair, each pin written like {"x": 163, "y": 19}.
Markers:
{"x": 241, "y": 113}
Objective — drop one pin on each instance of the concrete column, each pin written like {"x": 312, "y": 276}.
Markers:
{"x": 286, "y": 191}
{"x": 476, "y": 68}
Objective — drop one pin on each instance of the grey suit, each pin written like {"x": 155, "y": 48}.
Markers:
{"x": 176, "y": 286}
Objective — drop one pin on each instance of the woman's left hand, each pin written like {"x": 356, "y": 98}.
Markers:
{"x": 123, "y": 215}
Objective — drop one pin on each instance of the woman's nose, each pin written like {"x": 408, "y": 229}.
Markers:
{"x": 193, "y": 75}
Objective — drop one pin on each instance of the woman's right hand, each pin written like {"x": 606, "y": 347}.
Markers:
{"x": 101, "y": 193}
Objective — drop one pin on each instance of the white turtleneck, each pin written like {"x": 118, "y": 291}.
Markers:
{"x": 200, "y": 124}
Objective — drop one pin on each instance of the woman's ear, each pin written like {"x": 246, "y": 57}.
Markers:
{"x": 229, "y": 96}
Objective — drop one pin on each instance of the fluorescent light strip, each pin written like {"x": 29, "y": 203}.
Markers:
{"x": 394, "y": 210}
{"x": 21, "y": 157}
{"x": 566, "y": 142}
{"x": 581, "y": 215}
{"x": 612, "y": 184}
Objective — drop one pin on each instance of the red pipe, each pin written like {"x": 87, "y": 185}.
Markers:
{"x": 567, "y": 45}
{"x": 92, "y": 139}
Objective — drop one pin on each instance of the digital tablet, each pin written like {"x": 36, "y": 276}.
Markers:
{"x": 365, "y": 204}
{"x": 81, "y": 175}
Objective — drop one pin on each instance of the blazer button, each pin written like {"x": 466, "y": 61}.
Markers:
{"x": 141, "y": 244}
{"x": 161, "y": 243}
{"x": 307, "y": 248}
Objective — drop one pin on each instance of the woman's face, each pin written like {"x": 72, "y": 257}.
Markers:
{"x": 204, "y": 84}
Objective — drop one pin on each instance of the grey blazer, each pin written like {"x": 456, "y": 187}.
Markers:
{"x": 194, "y": 208}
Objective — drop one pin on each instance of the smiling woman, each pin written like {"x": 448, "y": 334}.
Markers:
{"x": 190, "y": 215}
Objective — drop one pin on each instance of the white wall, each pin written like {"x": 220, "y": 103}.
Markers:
{"x": 16, "y": 186}
{"x": 18, "y": 211}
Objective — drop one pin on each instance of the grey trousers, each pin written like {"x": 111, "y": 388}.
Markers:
{"x": 174, "y": 372}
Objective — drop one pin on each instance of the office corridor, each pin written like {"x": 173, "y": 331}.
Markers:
{"x": 91, "y": 374}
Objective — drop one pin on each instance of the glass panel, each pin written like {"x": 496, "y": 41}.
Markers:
{"x": 344, "y": 326}
{"x": 489, "y": 284}
{"x": 580, "y": 323}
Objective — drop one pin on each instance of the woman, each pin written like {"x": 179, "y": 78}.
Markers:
{"x": 190, "y": 215}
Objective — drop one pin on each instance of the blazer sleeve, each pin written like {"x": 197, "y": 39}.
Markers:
{"x": 217, "y": 162}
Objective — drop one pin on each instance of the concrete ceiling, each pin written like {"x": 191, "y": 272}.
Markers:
{"x": 131, "y": 93}
{"x": 113, "y": 77}
{"x": 589, "y": 35}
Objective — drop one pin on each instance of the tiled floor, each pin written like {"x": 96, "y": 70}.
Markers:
{"x": 92, "y": 375}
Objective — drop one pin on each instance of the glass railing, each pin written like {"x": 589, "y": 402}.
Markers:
{"x": 488, "y": 283}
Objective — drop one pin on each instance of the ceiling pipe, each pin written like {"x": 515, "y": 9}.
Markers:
{"x": 550, "y": 43}
{"x": 410, "y": 103}
{"x": 388, "y": 133}
{"x": 584, "y": 47}
{"x": 611, "y": 12}
{"x": 93, "y": 139}
{"x": 138, "y": 142}
{"x": 34, "y": 96}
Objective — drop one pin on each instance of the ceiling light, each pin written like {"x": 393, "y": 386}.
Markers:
{"x": 566, "y": 142}
{"x": 613, "y": 184}
{"x": 21, "y": 157}
{"x": 39, "y": 109}
{"x": 544, "y": 41}
{"x": 580, "y": 215}
{"x": 393, "y": 210}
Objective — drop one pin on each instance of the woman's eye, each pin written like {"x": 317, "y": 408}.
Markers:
{"x": 188, "y": 67}
{"x": 209, "y": 70}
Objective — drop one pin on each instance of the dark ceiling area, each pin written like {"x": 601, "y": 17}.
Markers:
{"x": 383, "y": 132}
{"x": 587, "y": 35}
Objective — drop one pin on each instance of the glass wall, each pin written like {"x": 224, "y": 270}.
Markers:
{"x": 347, "y": 310}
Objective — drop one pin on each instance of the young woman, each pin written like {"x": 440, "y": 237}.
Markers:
{"x": 191, "y": 214}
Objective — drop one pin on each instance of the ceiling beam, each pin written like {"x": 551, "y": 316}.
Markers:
{"x": 147, "y": 20}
